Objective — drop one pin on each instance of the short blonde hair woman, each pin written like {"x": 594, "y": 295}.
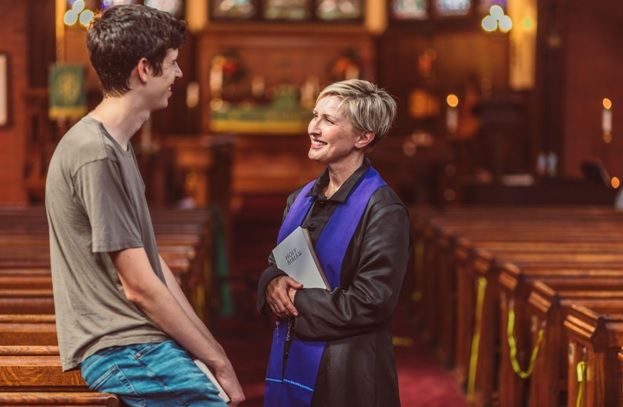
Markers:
{"x": 332, "y": 348}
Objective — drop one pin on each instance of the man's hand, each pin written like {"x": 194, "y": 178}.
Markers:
{"x": 227, "y": 379}
{"x": 278, "y": 296}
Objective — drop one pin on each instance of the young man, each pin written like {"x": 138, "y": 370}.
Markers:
{"x": 121, "y": 317}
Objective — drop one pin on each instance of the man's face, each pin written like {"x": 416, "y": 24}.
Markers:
{"x": 159, "y": 90}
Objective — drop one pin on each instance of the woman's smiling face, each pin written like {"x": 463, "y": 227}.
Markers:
{"x": 331, "y": 133}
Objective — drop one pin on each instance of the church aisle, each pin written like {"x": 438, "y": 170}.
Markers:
{"x": 247, "y": 337}
{"x": 423, "y": 381}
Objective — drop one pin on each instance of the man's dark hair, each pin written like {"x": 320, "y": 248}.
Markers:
{"x": 120, "y": 36}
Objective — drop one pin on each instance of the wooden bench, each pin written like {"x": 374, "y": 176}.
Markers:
{"x": 30, "y": 369}
{"x": 470, "y": 265}
{"x": 595, "y": 339}
{"x": 28, "y": 329}
{"x": 443, "y": 251}
{"x": 36, "y": 368}
{"x": 25, "y": 280}
{"x": 533, "y": 237}
{"x": 33, "y": 376}
{"x": 489, "y": 315}
{"x": 26, "y": 301}
{"x": 537, "y": 327}
{"x": 90, "y": 399}
{"x": 190, "y": 271}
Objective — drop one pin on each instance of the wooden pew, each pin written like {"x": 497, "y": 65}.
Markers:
{"x": 32, "y": 375}
{"x": 595, "y": 339}
{"x": 484, "y": 270}
{"x": 487, "y": 381}
{"x": 548, "y": 308}
{"x": 185, "y": 242}
{"x": 190, "y": 271}
{"x": 184, "y": 237}
{"x": 36, "y": 368}
{"x": 90, "y": 399}
{"x": 515, "y": 284}
{"x": 472, "y": 264}
{"x": 25, "y": 280}
{"x": 620, "y": 357}
{"x": 444, "y": 249}
{"x": 533, "y": 237}
{"x": 524, "y": 238}
{"x": 28, "y": 329}
{"x": 537, "y": 333}
{"x": 26, "y": 301}
{"x": 32, "y": 271}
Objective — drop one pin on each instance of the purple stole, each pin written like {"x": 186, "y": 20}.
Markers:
{"x": 294, "y": 387}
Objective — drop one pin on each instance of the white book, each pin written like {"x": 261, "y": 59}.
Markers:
{"x": 205, "y": 369}
{"x": 296, "y": 256}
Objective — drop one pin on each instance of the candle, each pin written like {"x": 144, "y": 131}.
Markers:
{"x": 541, "y": 164}
{"x": 309, "y": 92}
{"x": 452, "y": 113}
{"x": 307, "y": 95}
{"x": 352, "y": 72}
{"x": 606, "y": 117}
{"x": 552, "y": 164}
{"x": 192, "y": 94}
{"x": 216, "y": 78}
{"x": 257, "y": 86}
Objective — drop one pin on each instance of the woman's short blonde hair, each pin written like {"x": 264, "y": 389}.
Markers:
{"x": 367, "y": 107}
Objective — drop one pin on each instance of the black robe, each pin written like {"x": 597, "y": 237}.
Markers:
{"x": 357, "y": 367}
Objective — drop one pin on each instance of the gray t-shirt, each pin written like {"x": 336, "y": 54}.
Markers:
{"x": 95, "y": 202}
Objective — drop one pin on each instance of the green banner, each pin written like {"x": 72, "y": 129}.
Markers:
{"x": 67, "y": 91}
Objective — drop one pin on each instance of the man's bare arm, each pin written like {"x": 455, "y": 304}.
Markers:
{"x": 179, "y": 295}
{"x": 159, "y": 302}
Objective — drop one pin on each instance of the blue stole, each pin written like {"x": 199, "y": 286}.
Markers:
{"x": 295, "y": 386}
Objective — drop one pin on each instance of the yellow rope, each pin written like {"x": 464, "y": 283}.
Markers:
{"x": 513, "y": 344}
{"x": 581, "y": 370}
{"x": 473, "y": 359}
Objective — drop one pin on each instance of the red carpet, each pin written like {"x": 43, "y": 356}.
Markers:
{"x": 422, "y": 380}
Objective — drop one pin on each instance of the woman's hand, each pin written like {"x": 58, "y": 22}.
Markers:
{"x": 278, "y": 296}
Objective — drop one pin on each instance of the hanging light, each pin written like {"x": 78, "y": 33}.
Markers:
{"x": 496, "y": 19}
{"x": 78, "y": 12}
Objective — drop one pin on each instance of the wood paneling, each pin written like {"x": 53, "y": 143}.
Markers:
{"x": 593, "y": 57}
{"x": 281, "y": 55}
{"x": 460, "y": 58}
{"x": 14, "y": 42}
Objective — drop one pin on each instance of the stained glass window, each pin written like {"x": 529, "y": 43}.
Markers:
{"x": 109, "y": 3}
{"x": 485, "y": 5}
{"x": 289, "y": 10}
{"x": 233, "y": 9}
{"x": 173, "y": 7}
{"x": 329, "y": 10}
{"x": 83, "y": 4}
{"x": 409, "y": 10}
{"x": 286, "y": 9}
{"x": 452, "y": 7}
